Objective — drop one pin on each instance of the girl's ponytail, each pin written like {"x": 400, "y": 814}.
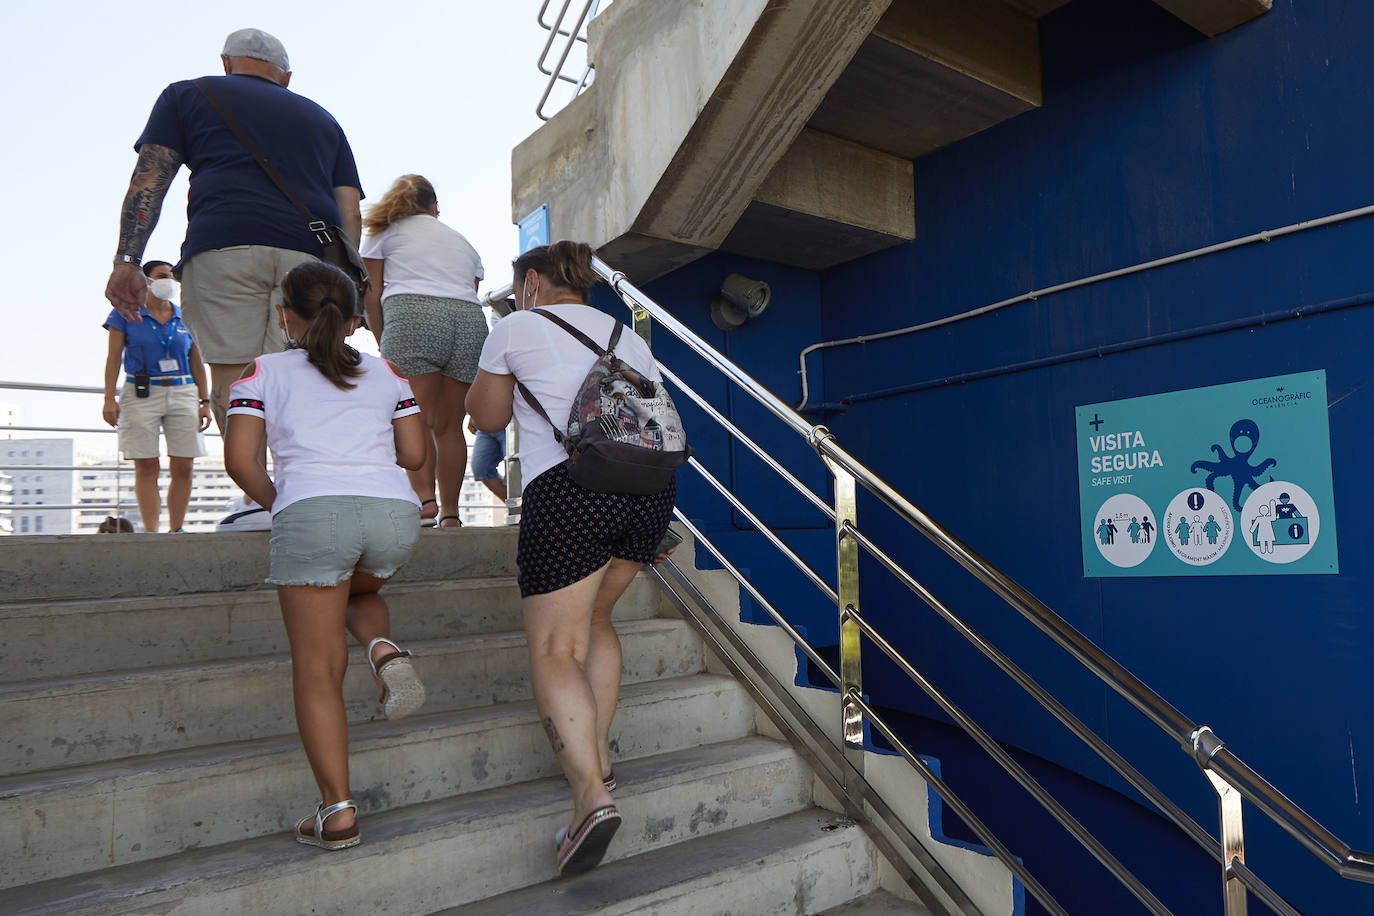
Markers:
{"x": 321, "y": 294}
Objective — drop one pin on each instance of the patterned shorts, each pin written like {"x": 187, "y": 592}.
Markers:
{"x": 422, "y": 334}
{"x": 568, "y": 532}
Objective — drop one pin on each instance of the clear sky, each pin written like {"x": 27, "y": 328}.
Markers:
{"x": 445, "y": 88}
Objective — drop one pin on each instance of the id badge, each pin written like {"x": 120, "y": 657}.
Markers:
{"x": 167, "y": 365}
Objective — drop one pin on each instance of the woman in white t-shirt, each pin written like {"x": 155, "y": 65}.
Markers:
{"x": 341, "y": 426}
{"x": 423, "y": 309}
{"x": 578, "y": 549}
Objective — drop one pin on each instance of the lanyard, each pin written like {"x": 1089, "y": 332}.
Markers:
{"x": 166, "y": 342}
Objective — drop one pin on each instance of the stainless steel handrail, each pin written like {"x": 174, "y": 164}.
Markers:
{"x": 854, "y": 694}
{"x": 1013, "y": 769}
{"x": 1211, "y": 754}
{"x": 947, "y": 795}
{"x": 1060, "y": 712}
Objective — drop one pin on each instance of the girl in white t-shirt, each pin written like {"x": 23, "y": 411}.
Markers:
{"x": 578, "y": 549}
{"x": 423, "y": 309}
{"x": 341, "y": 426}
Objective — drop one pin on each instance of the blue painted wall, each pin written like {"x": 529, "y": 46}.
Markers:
{"x": 1152, "y": 140}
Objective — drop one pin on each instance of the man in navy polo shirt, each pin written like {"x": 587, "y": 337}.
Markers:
{"x": 243, "y": 235}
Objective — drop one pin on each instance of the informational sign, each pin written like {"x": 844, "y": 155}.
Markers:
{"x": 534, "y": 229}
{"x": 1231, "y": 480}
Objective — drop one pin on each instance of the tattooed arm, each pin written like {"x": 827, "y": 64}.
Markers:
{"x": 127, "y": 286}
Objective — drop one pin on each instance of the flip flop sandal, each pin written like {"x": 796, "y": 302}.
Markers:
{"x": 609, "y": 781}
{"x": 444, "y": 518}
{"x": 402, "y": 693}
{"x": 430, "y": 522}
{"x": 670, "y": 542}
{"x": 312, "y": 832}
{"x": 582, "y": 849}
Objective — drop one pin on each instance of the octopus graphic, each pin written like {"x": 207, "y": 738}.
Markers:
{"x": 1236, "y": 466}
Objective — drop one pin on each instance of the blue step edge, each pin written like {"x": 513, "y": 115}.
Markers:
{"x": 934, "y": 802}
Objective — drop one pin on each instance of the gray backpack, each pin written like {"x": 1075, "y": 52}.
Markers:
{"x": 623, "y": 433}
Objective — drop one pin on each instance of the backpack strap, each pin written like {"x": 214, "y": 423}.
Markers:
{"x": 539, "y": 409}
{"x": 585, "y": 340}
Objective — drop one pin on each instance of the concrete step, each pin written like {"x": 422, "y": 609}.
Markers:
{"x": 70, "y": 638}
{"x": 879, "y": 903}
{"x": 423, "y": 858}
{"x": 62, "y": 567}
{"x": 77, "y": 721}
{"x": 82, "y": 819}
{"x": 793, "y": 865}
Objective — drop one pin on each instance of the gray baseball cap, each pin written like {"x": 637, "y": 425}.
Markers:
{"x": 257, "y": 44}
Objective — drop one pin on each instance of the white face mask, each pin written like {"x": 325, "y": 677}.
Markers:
{"x": 164, "y": 288}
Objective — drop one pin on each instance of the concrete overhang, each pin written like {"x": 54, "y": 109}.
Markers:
{"x": 780, "y": 129}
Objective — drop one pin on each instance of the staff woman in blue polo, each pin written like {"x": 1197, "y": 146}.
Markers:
{"x": 173, "y": 400}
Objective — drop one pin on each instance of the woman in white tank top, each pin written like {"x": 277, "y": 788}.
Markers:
{"x": 578, "y": 549}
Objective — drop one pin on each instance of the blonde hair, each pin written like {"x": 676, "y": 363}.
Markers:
{"x": 568, "y": 264}
{"x": 407, "y": 196}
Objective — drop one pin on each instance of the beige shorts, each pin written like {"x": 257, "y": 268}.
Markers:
{"x": 173, "y": 409}
{"x": 229, "y": 298}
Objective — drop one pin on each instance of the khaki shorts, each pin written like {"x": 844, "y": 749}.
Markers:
{"x": 171, "y": 408}
{"x": 228, "y": 300}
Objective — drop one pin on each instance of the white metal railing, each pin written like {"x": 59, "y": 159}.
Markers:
{"x": 573, "y": 34}
{"x": 119, "y": 469}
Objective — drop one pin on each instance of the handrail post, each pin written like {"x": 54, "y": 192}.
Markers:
{"x": 514, "y": 485}
{"x": 1229, "y": 802}
{"x": 643, "y": 322}
{"x": 847, "y": 586}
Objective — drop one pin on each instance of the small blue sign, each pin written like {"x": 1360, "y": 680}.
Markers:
{"x": 534, "y": 229}
{"x": 1230, "y": 480}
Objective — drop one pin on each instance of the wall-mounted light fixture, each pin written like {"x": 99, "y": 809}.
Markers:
{"x": 739, "y": 300}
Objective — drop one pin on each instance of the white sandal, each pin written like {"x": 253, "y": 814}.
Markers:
{"x": 402, "y": 692}
{"x": 323, "y": 838}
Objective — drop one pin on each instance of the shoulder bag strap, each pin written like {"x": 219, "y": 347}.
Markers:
{"x": 241, "y": 133}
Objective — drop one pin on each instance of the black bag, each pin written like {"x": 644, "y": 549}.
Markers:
{"x": 335, "y": 246}
{"x": 624, "y": 435}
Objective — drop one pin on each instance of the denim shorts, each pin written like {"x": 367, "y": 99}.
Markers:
{"x": 324, "y": 540}
{"x": 487, "y": 451}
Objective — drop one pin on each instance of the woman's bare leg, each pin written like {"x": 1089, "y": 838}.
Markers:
{"x": 558, "y": 629}
{"x": 603, "y": 653}
{"x": 451, "y": 460}
{"x": 425, "y": 387}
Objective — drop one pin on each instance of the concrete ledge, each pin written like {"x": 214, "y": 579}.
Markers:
{"x": 65, "y": 639}
{"x": 1037, "y": 8}
{"x": 1212, "y": 17}
{"x": 813, "y": 860}
{"x": 656, "y": 172}
{"x": 447, "y": 853}
{"x": 983, "y": 39}
{"x": 56, "y": 567}
{"x": 108, "y": 717}
{"x": 838, "y": 180}
{"x": 114, "y": 814}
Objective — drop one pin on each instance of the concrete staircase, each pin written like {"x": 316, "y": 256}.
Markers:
{"x": 149, "y": 761}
